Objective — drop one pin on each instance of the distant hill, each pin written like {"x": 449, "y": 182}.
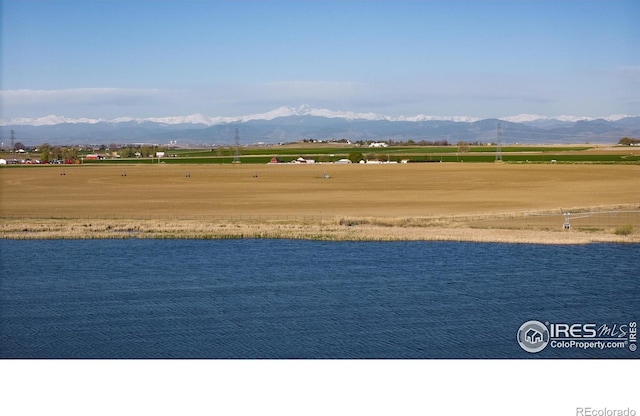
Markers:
{"x": 290, "y": 125}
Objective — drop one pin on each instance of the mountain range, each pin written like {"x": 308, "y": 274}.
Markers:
{"x": 289, "y": 124}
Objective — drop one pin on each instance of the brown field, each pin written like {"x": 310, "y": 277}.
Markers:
{"x": 479, "y": 202}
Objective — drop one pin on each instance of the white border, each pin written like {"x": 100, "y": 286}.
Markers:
{"x": 316, "y": 387}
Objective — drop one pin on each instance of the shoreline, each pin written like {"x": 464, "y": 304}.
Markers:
{"x": 338, "y": 229}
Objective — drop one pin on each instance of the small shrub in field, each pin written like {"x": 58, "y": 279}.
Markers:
{"x": 624, "y": 229}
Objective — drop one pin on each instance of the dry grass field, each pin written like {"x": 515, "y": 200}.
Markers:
{"x": 402, "y": 201}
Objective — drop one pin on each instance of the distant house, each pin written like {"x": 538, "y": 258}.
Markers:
{"x": 275, "y": 160}
{"x": 92, "y": 157}
{"x": 301, "y": 160}
{"x": 378, "y": 144}
{"x": 342, "y": 161}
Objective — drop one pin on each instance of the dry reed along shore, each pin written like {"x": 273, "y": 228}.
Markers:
{"x": 431, "y": 201}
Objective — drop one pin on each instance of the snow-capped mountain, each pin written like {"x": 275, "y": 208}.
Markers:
{"x": 287, "y": 124}
{"x": 303, "y": 110}
{"x": 524, "y": 118}
{"x": 50, "y": 120}
{"x": 203, "y": 119}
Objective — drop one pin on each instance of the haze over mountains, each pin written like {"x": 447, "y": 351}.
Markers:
{"x": 288, "y": 124}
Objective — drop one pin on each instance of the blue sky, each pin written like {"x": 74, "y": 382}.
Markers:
{"x": 143, "y": 58}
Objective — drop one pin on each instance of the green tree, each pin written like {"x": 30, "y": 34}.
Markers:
{"x": 56, "y": 153}
{"x": 628, "y": 141}
{"x": 45, "y": 151}
{"x": 463, "y": 147}
{"x": 355, "y": 157}
{"x": 69, "y": 153}
{"x": 128, "y": 151}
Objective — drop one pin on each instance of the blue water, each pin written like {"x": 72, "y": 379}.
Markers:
{"x": 304, "y": 299}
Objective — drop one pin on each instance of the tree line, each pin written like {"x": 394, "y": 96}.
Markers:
{"x": 629, "y": 141}
{"x": 74, "y": 153}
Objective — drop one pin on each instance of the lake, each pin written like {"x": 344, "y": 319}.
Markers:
{"x": 138, "y": 298}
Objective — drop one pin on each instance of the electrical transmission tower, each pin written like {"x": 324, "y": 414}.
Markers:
{"x": 236, "y": 150}
{"x": 499, "y": 145}
{"x": 13, "y": 146}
